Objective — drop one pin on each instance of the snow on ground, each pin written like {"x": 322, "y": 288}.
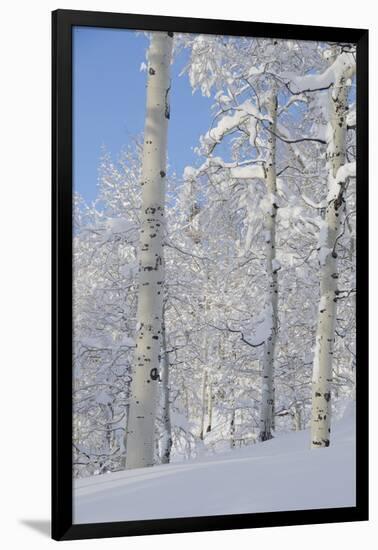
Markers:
{"x": 281, "y": 474}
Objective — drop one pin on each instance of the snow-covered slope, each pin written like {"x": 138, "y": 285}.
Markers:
{"x": 281, "y": 474}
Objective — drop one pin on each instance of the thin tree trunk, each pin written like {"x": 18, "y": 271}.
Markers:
{"x": 205, "y": 381}
{"x": 232, "y": 429}
{"x": 297, "y": 417}
{"x": 233, "y": 419}
{"x": 143, "y": 389}
{"x": 166, "y": 416}
{"x": 325, "y": 334}
{"x": 209, "y": 406}
{"x": 267, "y": 397}
{"x": 203, "y": 405}
{"x": 274, "y": 405}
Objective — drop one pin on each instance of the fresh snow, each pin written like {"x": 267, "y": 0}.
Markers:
{"x": 330, "y": 76}
{"x": 119, "y": 225}
{"x": 345, "y": 171}
{"x": 247, "y": 172}
{"x": 189, "y": 173}
{"x": 245, "y": 111}
{"x": 280, "y": 474}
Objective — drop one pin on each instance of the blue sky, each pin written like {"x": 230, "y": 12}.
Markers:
{"x": 109, "y": 103}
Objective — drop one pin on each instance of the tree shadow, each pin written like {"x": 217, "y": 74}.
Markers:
{"x": 43, "y": 526}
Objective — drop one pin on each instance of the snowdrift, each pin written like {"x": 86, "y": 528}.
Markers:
{"x": 281, "y": 474}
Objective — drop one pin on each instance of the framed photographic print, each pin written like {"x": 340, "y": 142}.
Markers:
{"x": 210, "y": 245}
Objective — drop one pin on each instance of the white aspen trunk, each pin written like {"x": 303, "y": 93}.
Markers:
{"x": 203, "y": 404}
{"x": 274, "y": 404}
{"x": 232, "y": 429}
{"x": 325, "y": 333}
{"x": 109, "y": 427}
{"x": 209, "y": 406}
{"x": 205, "y": 380}
{"x": 233, "y": 419}
{"x": 267, "y": 394}
{"x": 187, "y": 409}
{"x": 166, "y": 413}
{"x": 186, "y": 393}
{"x": 297, "y": 417}
{"x": 145, "y": 378}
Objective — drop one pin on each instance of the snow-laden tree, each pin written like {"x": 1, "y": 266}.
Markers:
{"x": 335, "y": 82}
{"x": 104, "y": 305}
{"x": 254, "y": 109}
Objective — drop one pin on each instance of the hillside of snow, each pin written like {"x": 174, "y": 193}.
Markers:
{"x": 281, "y": 474}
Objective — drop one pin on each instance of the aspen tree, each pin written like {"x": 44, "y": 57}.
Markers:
{"x": 325, "y": 334}
{"x": 145, "y": 376}
{"x": 267, "y": 394}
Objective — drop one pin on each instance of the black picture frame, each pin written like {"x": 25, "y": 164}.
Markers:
{"x": 62, "y": 525}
